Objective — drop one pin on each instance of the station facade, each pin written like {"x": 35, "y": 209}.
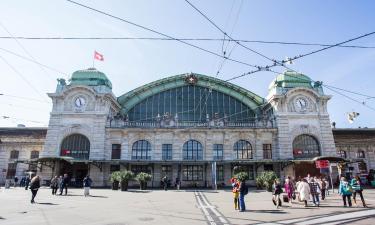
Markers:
{"x": 190, "y": 126}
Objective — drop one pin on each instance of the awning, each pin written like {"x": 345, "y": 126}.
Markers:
{"x": 333, "y": 159}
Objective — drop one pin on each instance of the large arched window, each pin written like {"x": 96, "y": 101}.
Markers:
{"x": 191, "y": 103}
{"x": 305, "y": 146}
{"x": 243, "y": 150}
{"x": 141, "y": 150}
{"x": 76, "y": 146}
{"x": 192, "y": 150}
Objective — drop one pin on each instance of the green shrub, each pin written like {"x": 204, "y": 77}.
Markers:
{"x": 143, "y": 178}
{"x": 241, "y": 176}
{"x": 266, "y": 180}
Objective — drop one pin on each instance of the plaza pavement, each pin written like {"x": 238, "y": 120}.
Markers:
{"x": 107, "y": 207}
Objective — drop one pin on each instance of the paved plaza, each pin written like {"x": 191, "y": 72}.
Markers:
{"x": 107, "y": 207}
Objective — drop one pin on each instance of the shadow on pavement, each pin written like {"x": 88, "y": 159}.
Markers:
{"x": 46, "y": 203}
{"x": 267, "y": 211}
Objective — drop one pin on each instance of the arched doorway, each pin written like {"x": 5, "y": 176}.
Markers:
{"x": 76, "y": 146}
{"x": 305, "y": 147}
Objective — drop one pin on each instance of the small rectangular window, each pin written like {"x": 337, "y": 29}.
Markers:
{"x": 267, "y": 151}
{"x": 114, "y": 168}
{"x": 218, "y": 152}
{"x": 116, "y": 151}
{"x": 11, "y": 172}
{"x": 14, "y": 154}
{"x": 167, "y": 151}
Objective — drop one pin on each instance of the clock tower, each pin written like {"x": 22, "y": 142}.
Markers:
{"x": 304, "y": 129}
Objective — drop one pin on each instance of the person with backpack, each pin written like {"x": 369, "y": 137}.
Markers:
{"x": 345, "y": 191}
{"x": 277, "y": 190}
{"x": 314, "y": 191}
{"x": 243, "y": 191}
{"x": 357, "y": 189}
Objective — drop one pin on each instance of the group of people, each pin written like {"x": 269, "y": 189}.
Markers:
{"x": 239, "y": 189}
{"x": 312, "y": 188}
{"x": 24, "y": 182}
{"x": 60, "y": 183}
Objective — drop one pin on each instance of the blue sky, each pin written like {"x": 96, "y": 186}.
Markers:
{"x": 131, "y": 63}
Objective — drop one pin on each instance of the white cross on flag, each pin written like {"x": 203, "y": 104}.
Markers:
{"x": 98, "y": 56}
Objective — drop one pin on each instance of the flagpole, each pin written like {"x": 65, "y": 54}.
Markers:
{"x": 93, "y": 61}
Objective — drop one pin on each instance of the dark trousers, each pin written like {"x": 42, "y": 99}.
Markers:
{"x": 242, "y": 202}
{"x": 361, "y": 195}
{"x": 344, "y": 197}
{"x": 62, "y": 188}
{"x": 315, "y": 198}
{"x": 323, "y": 194}
{"x": 33, "y": 194}
{"x": 54, "y": 190}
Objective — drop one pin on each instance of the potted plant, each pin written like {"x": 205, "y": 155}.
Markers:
{"x": 241, "y": 176}
{"x": 115, "y": 179}
{"x": 269, "y": 177}
{"x": 143, "y": 178}
{"x": 125, "y": 176}
{"x": 259, "y": 181}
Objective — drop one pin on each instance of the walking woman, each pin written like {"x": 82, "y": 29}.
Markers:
{"x": 357, "y": 189}
{"x": 34, "y": 187}
{"x": 304, "y": 191}
{"x": 277, "y": 190}
{"x": 289, "y": 189}
{"x": 346, "y": 191}
{"x": 54, "y": 185}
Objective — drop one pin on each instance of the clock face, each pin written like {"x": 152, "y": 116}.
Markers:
{"x": 301, "y": 104}
{"x": 80, "y": 102}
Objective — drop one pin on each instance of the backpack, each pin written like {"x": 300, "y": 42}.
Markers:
{"x": 246, "y": 190}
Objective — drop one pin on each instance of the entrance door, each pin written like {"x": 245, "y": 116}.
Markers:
{"x": 304, "y": 168}
{"x": 76, "y": 172}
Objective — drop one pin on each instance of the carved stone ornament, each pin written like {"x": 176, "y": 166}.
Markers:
{"x": 191, "y": 79}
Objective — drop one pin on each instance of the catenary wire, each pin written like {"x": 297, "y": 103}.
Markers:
{"x": 159, "y": 33}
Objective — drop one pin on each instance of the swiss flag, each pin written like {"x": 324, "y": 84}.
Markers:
{"x": 98, "y": 56}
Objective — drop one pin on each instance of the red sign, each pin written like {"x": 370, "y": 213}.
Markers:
{"x": 320, "y": 164}
{"x": 65, "y": 152}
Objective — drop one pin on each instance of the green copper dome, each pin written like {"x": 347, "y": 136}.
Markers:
{"x": 291, "y": 79}
{"x": 90, "y": 77}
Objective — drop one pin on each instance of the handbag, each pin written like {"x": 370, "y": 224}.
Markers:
{"x": 294, "y": 196}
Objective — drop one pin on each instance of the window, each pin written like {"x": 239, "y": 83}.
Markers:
{"x": 76, "y": 146}
{"x": 114, "y": 168}
{"x": 220, "y": 172}
{"x": 192, "y": 173}
{"x": 141, "y": 150}
{"x": 192, "y": 150}
{"x": 267, "y": 151}
{"x": 342, "y": 154}
{"x": 12, "y": 167}
{"x": 218, "y": 152}
{"x": 140, "y": 168}
{"x": 360, "y": 154}
{"x": 116, "y": 151}
{"x": 268, "y": 167}
{"x": 166, "y": 170}
{"x": 14, "y": 154}
{"x": 243, "y": 150}
{"x": 167, "y": 151}
{"x": 249, "y": 169}
{"x": 34, "y": 154}
{"x": 186, "y": 103}
{"x": 305, "y": 146}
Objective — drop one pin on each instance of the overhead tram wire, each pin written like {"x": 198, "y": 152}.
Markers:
{"x": 187, "y": 39}
{"x": 276, "y": 62}
{"x": 160, "y": 33}
{"x": 24, "y": 49}
{"x": 33, "y": 61}
{"x": 23, "y": 98}
{"x": 22, "y": 77}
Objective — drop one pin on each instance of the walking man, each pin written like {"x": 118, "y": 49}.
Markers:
{"x": 314, "y": 190}
{"x": 54, "y": 185}
{"x": 243, "y": 192}
{"x": 34, "y": 187}
{"x": 64, "y": 184}
{"x": 86, "y": 185}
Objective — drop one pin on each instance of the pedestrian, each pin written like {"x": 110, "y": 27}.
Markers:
{"x": 15, "y": 181}
{"x": 22, "y": 182}
{"x": 236, "y": 193}
{"x": 243, "y": 191}
{"x": 345, "y": 191}
{"x": 164, "y": 180}
{"x": 277, "y": 190}
{"x": 315, "y": 191}
{"x": 289, "y": 189}
{"x": 177, "y": 183}
{"x": 64, "y": 184}
{"x": 357, "y": 189}
{"x": 34, "y": 187}
{"x": 304, "y": 191}
{"x": 27, "y": 182}
{"x": 54, "y": 185}
{"x": 86, "y": 185}
{"x": 324, "y": 188}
